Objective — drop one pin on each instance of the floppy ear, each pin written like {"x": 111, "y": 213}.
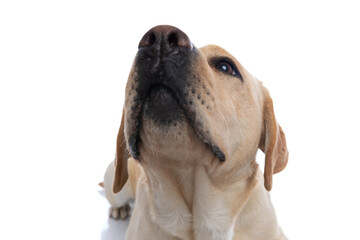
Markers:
{"x": 272, "y": 142}
{"x": 121, "y": 157}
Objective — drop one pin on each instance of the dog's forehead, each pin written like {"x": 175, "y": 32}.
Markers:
{"x": 211, "y": 51}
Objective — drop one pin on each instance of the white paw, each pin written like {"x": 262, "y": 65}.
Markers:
{"x": 120, "y": 213}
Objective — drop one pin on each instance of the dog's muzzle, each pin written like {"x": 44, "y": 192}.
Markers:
{"x": 161, "y": 85}
{"x": 163, "y": 58}
{"x": 162, "y": 65}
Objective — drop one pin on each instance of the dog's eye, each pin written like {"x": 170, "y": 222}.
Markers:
{"x": 227, "y": 67}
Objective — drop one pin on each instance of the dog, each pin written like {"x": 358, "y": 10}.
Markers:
{"x": 193, "y": 121}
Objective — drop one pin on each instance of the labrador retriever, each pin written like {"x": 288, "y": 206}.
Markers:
{"x": 192, "y": 122}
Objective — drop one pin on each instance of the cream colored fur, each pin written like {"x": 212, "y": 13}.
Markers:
{"x": 181, "y": 190}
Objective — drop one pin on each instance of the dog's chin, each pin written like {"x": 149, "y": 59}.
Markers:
{"x": 170, "y": 140}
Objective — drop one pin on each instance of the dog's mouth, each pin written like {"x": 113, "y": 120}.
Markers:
{"x": 162, "y": 95}
{"x": 162, "y": 105}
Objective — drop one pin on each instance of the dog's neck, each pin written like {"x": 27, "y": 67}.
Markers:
{"x": 175, "y": 180}
{"x": 199, "y": 197}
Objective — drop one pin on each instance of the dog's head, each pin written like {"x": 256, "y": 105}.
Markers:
{"x": 185, "y": 104}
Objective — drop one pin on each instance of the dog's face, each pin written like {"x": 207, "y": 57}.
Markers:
{"x": 184, "y": 104}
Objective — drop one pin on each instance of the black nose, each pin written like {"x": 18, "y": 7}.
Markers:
{"x": 166, "y": 36}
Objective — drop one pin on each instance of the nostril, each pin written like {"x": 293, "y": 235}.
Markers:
{"x": 179, "y": 39}
{"x": 148, "y": 40}
{"x": 152, "y": 39}
{"x": 173, "y": 40}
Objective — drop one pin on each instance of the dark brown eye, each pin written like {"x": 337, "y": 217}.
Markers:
{"x": 226, "y": 67}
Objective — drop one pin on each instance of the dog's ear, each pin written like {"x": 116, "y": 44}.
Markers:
{"x": 121, "y": 158}
{"x": 272, "y": 142}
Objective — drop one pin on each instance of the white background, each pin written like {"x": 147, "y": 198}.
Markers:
{"x": 63, "y": 67}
